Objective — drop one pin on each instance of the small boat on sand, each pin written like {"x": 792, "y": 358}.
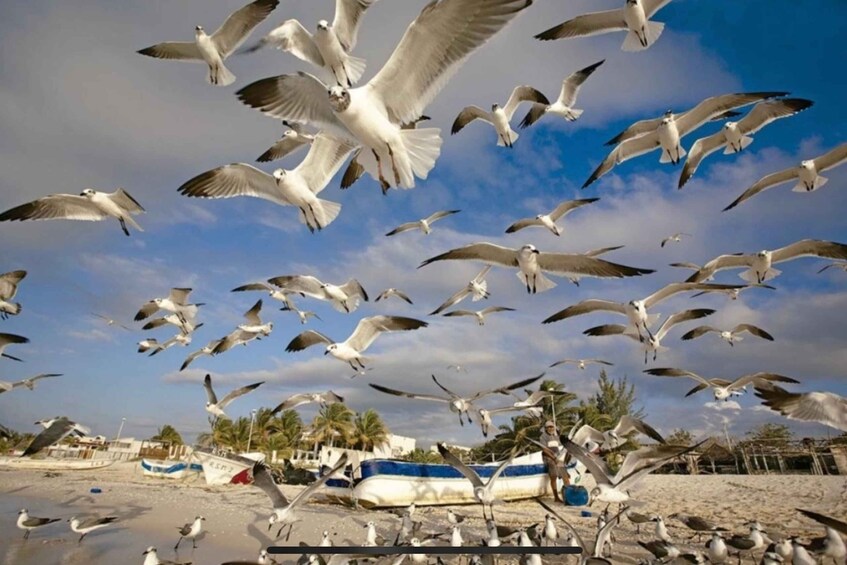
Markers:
{"x": 169, "y": 469}
{"x": 50, "y": 464}
{"x": 223, "y": 468}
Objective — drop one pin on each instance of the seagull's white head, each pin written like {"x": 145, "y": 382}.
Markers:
{"x": 668, "y": 113}
{"x": 632, "y": 2}
{"x": 330, "y": 348}
{"x": 88, "y": 193}
{"x": 667, "y": 119}
{"x": 764, "y": 254}
{"x": 150, "y": 549}
{"x": 290, "y": 133}
{"x": 198, "y": 30}
{"x": 494, "y": 107}
{"x": 279, "y": 174}
{"x": 323, "y": 25}
{"x": 208, "y": 404}
{"x": 529, "y": 248}
{"x": 807, "y": 164}
{"x": 339, "y": 98}
{"x": 22, "y": 511}
{"x": 271, "y": 521}
{"x": 729, "y": 125}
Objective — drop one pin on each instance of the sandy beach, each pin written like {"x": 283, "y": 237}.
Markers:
{"x": 236, "y": 516}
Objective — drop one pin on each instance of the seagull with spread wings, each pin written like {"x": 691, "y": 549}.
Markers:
{"x": 722, "y": 388}
{"x": 344, "y": 298}
{"x": 532, "y": 404}
{"x": 254, "y": 328}
{"x": 676, "y": 238}
{"x": 424, "y": 224}
{"x": 214, "y": 49}
{"x": 666, "y": 133}
{"x": 389, "y": 292}
{"x": 532, "y": 264}
{"x": 322, "y": 398}
{"x": 216, "y": 407}
{"x": 591, "y": 554}
{"x": 731, "y": 336}
{"x": 28, "y": 382}
{"x": 759, "y": 266}
{"x": 10, "y": 339}
{"x": 549, "y": 220}
{"x": 298, "y": 187}
{"x": 273, "y": 292}
{"x": 350, "y": 350}
{"x": 207, "y": 349}
{"x": 735, "y": 136}
{"x": 500, "y": 117}
{"x": 564, "y": 104}
{"x": 477, "y": 289}
{"x": 90, "y": 206}
{"x": 8, "y": 289}
{"x": 330, "y": 47}
{"x": 826, "y": 408}
{"x": 581, "y": 363}
{"x": 294, "y": 138}
{"x": 433, "y": 48}
{"x": 478, "y": 314}
{"x": 54, "y": 431}
{"x": 634, "y": 18}
{"x": 482, "y": 491}
{"x": 807, "y": 175}
{"x": 616, "y": 436}
{"x": 176, "y": 302}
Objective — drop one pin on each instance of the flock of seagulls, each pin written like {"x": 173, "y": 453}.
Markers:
{"x": 375, "y": 125}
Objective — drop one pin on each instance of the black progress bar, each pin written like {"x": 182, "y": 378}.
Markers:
{"x": 411, "y": 550}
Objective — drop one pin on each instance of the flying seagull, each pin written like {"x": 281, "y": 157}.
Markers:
{"x": 28, "y": 382}
{"x": 730, "y": 336}
{"x": 344, "y": 298}
{"x": 634, "y": 18}
{"x": 634, "y": 310}
{"x": 254, "y": 328}
{"x": 284, "y": 511}
{"x": 593, "y": 253}
{"x": 721, "y": 388}
{"x": 500, "y": 117}
{"x": 807, "y": 175}
{"x": 214, "y": 49}
{"x": 85, "y": 527}
{"x": 10, "y": 339}
{"x": 330, "y": 47}
{"x": 457, "y": 404}
{"x": 216, "y": 407}
{"x": 482, "y": 491}
{"x": 350, "y": 350}
{"x": 826, "y": 408}
{"x": 424, "y": 224}
{"x": 8, "y": 289}
{"x": 206, "y": 350}
{"x": 186, "y": 326}
{"x": 55, "y": 431}
{"x": 273, "y": 292}
{"x": 616, "y": 436}
{"x": 667, "y": 132}
{"x": 531, "y": 264}
{"x": 732, "y": 293}
{"x": 111, "y": 321}
{"x": 389, "y": 292}
{"x": 322, "y": 398}
{"x": 176, "y": 302}
{"x": 581, "y": 363}
{"x": 28, "y": 523}
{"x": 735, "y": 136}
{"x": 294, "y": 138}
{"x": 549, "y": 220}
{"x": 653, "y": 342}
{"x": 564, "y": 104}
{"x": 430, "y": 52}
{"x": 298, "y": 187}
{"x": 89, "y": 206}
{"x": 676, "y": 238}
{"x": 532, "y": 404}
{"x": 479, "y": 314}
{"x": 760, "y": 265}
{"x": 302, "y": 315}
{"x": 477, "y": 288}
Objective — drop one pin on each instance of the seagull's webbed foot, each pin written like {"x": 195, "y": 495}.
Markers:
{"x": 123, "y": 226}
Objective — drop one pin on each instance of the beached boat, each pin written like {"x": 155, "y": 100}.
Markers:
{"x": 390, "y": 482}
{"x": 169, "y": 469}
{"x": 221, "y": 468}
{"x": 49, "y": 464}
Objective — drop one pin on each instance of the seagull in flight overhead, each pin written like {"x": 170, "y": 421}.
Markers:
{"x": 676, "y": 238}
{"x": 8, "y": 289}
{"x": 735, "y": 136}
{"x": 389, "y": 292}
{"x": 186, "y": 326}
{"x": 111, "y": 321}
{"x": 760, "y": 265}
{"x": 254, "y": 328}
{"x": 581, "y": 363}
{"x": 344, "y": 298}
{"x": 722, "y": 388}
{"x": 54, "y": 432}
{"x": 477, "y": 288}
{"x": 90, "y": 206}
{"x": 214, "y": 49}
{"x": 564, "y": 104}
{"x": 294, "y": 138}
{"x": 330, "y": 47}
{"x": 28, "y": 382}
{"x": 483, "y": 491}
{"x": 176, "y": 302}
{"x": 634, "y": 18}
{"x": 532, "y": 263}
{"x": 350, "y": 350}
{"x": 653, "y": 342}
{"x": 424, "y": 224}
{"x": 500, "y": 117}
{"x": 216, "y": 407}
{"x": 549, "y": 220}
{"x": 807, "y": 175}
{"x": 322, "y": 398}
{"x": 616, "y": 436}
{"x": 207, "y": 349}
{"x": 10, "y": 339}
{"x": 666, "y": 133}
{"x": 298, "y": 187}
{"x": 730, "y": 336}
{"x": 273, "y": 292}
{"x": 433, "y": 48}
{"x": 826, "y": 408}
{"x": 479, "y": 314}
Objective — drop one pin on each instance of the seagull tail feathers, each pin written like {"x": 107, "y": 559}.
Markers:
{"x": 355, "y": 67}
{"x": 745, "y": 141}
{"x": 750, "y": 275}
{"x": 638, "y": 42}
{"x": 327, "y": 211}
{"x": 423, "y": 147}
{"x": 819, "y": 182}
{"x": 219, "y": 75}
{"x": 513, "y": 137}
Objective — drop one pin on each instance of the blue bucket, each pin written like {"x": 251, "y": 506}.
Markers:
{"x": 575, "y": 495}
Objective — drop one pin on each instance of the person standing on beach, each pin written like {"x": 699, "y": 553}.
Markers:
{"x": 550, "y": 438}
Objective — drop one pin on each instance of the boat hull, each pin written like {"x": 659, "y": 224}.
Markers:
{"x": 54, "y": 464}
{"x": 167, "y": 469}
{"x": 225, "y": 469}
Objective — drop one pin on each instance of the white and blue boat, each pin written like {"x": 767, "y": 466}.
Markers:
{"x": 168, "y": 469}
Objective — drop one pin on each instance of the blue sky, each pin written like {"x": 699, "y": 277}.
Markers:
{"x": 79, "y": 108}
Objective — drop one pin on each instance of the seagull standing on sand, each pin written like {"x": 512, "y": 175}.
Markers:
{"x": 55, "y": 430}
{"x": 483, "y": 492}
{"x": 564, "y": 104}
{"x": 479, "y": 314}
{"x": 423, "y": 224}
{"x": 549, "y": 220}
{"x": 532, "y": 263}
{"x": 721, "y": 388}
{"x": 214, "y": 49}
{"x": 89, "y": 206}
{"x": 807, "y": 175}
{"x": 634, "y": 18}
{"x": 216, "y": 407}
{"x": 834, "y": 546}
{"x": 28, "y": 382}
{"x": 151, "y": 557}
{"x": 85, "y": 527}
{"x": 344, "y": 298}
{"x": 433, "y": 48}
{"x": 730, "y": 336}
{"x": 330, "y": 47}
{"x": 284, "y": 511}
{"x": 28, "y": 523}
{"x": 500, "y": 117}
{"x": 191, "y": 530}
{"x": 298, "y": 187}
{"x": 477, "y": 288}
{"x": 697, "y": 524}
{"x": 8, "y": 289}
{"x": 350, "y": 350}
{"x": 826, "y": 408}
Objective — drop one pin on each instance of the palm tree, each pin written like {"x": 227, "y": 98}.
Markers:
{"x": 334, "y": 422}
{"x": 167, "y": 434}
{"x": 369, "y": 430}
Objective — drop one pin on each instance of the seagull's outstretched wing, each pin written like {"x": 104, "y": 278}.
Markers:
{"x": 568, "y": 206}
{"x": 395, "y": 392}
{"x": 55, "y": 207}
{"x": 586, "y": 266}
{"x": 628, "y": 424}
{"x": 701, "y": 149}
{"x": 303, "y": 284}
{"x": 586, "y": 307}
{"x": 304, "y": 494}
{"x": 282, "y": 148}
{"x": 325, "y": 157}
{"x": 827, "y": 521}
{"x": 467, "y": 115}
{"x": 434, "y": 46}
{"x": 485, "y": 252}
{"x": 457, "y": 464}
{"x": 238, "y": 392}
{"x": 368, "y": 329}
{"x": 348, "y": 16}
{"x": 626, "y": 150}
{"x": 714, "y": 106}
{"x": 307, "y": 339}
{"x": 252, "y": 315}
{"x": 523, "y": 94}
{"x": 293, "y": 38}
{"x": 823, "y": 407}
{"x": 229, "y": 181}
{"x": 239, "y": 24}
{"x": 262, "y": 479}
{"x": 586, "y": 24}
{"x": 210, "y": 392}
{"x": 174, "y": 51}
{"x": 810, "y": 248}
{"x": 765, "y": 183}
